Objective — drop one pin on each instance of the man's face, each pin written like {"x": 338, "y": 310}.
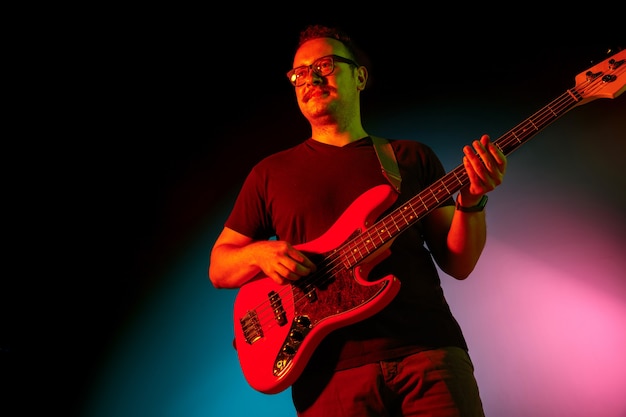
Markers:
{"x": 321, "y": 97}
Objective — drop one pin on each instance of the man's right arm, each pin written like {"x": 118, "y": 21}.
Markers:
{"x": 236, "y": 258}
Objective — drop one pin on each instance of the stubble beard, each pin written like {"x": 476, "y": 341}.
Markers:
{"x": 321, "y": 110}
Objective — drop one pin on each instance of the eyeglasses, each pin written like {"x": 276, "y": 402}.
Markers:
{"x": 322, "y": 67}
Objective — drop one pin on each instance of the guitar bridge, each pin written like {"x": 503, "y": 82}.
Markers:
{"x": 251, "y": 327}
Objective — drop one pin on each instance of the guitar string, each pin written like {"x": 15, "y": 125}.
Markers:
{"x": 429, "y": 198}
{"x": 536, "y": 124}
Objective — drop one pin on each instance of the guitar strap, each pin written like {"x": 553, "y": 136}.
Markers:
{"x": 388, "y": 161}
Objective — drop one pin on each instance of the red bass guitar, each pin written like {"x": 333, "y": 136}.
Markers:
{"x": 278, "y": 327}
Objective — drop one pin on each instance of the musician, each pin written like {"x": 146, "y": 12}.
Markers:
{"x": 410, "y": 358}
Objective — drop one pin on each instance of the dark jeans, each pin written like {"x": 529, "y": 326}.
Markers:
{"x": 433, "y": 383}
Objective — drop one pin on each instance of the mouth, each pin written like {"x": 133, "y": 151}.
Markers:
{"x": 314, "y": 94}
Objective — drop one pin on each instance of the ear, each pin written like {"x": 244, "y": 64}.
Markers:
{"x": 361, "y": 77}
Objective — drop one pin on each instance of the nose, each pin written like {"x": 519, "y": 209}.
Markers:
{"x": 313, "y": 77}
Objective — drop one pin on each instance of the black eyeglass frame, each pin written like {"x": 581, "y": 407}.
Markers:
{"x": 313, "y": 67}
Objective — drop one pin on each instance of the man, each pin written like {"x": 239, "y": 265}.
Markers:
{"x": 410, "y": 358}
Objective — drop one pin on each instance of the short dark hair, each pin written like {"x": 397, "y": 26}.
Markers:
{"x": 321, "y": 31}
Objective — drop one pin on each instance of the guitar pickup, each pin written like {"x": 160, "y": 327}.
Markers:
{"x": 277, "y": 306}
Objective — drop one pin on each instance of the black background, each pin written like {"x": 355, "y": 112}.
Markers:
{"x": 161, "y": 114}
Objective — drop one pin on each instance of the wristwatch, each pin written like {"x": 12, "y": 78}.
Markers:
{"x": 478, "y": 207}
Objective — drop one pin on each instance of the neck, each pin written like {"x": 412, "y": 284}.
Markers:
{"x": 332, "y": 135}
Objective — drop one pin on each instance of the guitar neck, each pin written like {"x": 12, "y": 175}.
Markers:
{"x": 589, "y": 87}
{"x": 435, "y": 194}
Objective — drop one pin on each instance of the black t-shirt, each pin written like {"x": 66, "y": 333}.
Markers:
{"x": 311, "y": 192}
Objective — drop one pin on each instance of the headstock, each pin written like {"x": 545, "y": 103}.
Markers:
{"x": 606, "y": 79}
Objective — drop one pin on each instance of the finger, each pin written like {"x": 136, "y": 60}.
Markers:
{"x": 495, "y": 151}
{"x": 477, "y": 184}
{"x": 488, "y": 152}
{"x": 492, "y": 158}
{"x": 302, "y": 261}
{"x": 292, "y": 270}
{"x": 475, "y": 156}
{"x": 286, "y": 274}
{"x": 500, "y": 158}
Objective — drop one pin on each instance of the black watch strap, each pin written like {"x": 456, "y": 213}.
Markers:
{"x": 478, "y": 207}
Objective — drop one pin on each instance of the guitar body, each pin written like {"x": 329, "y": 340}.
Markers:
{"x": 278, "y": 327}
